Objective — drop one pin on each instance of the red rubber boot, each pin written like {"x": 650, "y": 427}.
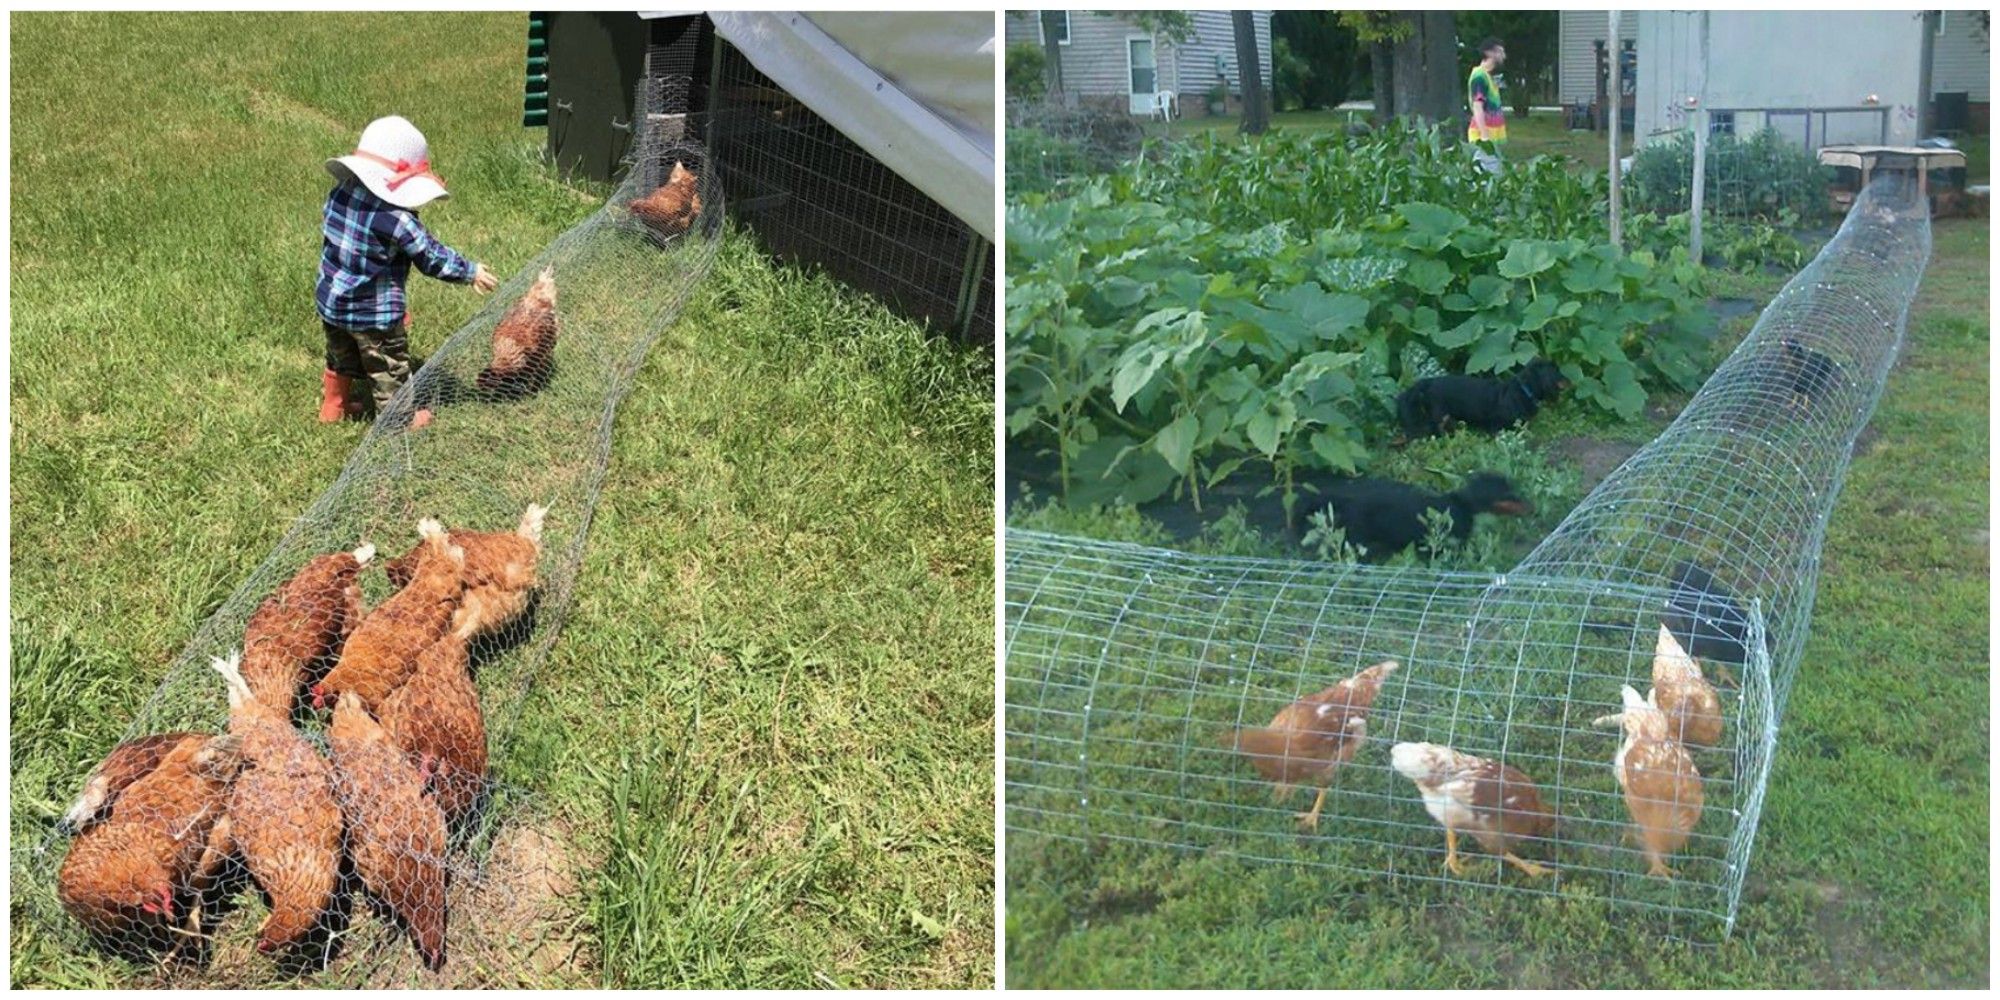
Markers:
{"x": 333, "y": 396}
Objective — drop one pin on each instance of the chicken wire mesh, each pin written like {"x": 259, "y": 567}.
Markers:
{"x": 817, "y": 197}
{"x": 1631, "y": 671}
{"x": 321, "y": 783}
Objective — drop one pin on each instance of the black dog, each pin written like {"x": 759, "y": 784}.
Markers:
{"x": 1431, "y": 405}
{"x": 1705, "y": 618}
{"x": 1383, "y": 517}
{"x": 1809, "y": 374}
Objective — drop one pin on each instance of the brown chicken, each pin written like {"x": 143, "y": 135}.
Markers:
{"x": 128, "y": 762}
{"x": 1494, "y": 802}
{"x": 303, "y": 624}
{"x": 434, "y": 718}
{"x": 396, "y": 834}
{"x": 1309, "y": 739}
{"x": 284, "y": 820}
{"x": 524, "y": 342}
{"x": 383, "y": 650}
{"x": 1662, "y": 787}
{"x": 1693, "y": 709}
{"x": 673, "y": 206}
{"x": 125, "y": 877}
{"x": 499, "y": 573}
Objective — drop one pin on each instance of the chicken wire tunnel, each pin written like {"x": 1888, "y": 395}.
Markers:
{"x": 1600, "y": 720}
{"x": 399, "y": 623}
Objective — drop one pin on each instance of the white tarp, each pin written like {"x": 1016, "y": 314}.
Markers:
{"x": 915, "y": 89}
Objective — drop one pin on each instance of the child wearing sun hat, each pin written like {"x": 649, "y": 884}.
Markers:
{"x": 372, "y": 237}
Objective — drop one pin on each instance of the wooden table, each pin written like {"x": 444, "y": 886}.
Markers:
{"x": 1922, "y": 159}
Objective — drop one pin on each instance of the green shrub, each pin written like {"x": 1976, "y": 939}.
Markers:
{"x": 1027, "y": 65}
{"x": 1155, "y": 347}
{"x": 1761, "y": 177}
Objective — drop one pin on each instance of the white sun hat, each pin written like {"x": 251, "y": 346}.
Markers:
{"x": 393, "y": 160}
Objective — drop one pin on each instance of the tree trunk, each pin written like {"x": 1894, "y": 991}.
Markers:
{"x": 1443, "y": 86}
{"x": 1382, "y": 69}
{"x": 1051, "y": 60}
{"x": 1407, "y": 61}
{"x": 1250, "y": 74}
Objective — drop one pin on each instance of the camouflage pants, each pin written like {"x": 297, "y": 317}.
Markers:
{"x": 382, "y": 357}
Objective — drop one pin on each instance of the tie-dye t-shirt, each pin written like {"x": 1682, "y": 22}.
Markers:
{"x": 1480, "y": 86}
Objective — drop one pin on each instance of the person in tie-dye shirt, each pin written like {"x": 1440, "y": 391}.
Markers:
{"x": 1489, "y": 117}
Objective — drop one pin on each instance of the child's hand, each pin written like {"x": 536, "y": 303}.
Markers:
{"x": 483, "y": 280}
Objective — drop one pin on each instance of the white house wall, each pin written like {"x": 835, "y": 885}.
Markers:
{"x": 1763, "y": 59}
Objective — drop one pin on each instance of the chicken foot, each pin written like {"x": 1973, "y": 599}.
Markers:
{"x": 1309, "y": 820}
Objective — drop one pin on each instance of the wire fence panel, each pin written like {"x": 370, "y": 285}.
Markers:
{"x": 1605, "y": 714}
{"x": 359, "y": 820}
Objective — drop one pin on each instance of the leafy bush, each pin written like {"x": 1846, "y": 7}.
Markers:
{"x": 1037, "y": 160}
{"x": 1738, "y": 245}
{"x": 1762, "y": 177}
{"x": 1159, "y": 348}
{"x": 1027, "y": 65}
{"x": 1323, "y": 180}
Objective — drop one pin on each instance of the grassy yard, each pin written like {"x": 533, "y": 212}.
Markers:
{"x": 761, "y": 748}
{"x": 1870, "y": 863}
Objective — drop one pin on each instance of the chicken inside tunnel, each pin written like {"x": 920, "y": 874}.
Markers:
{"x": 1396, "y": 722}
{"x": 322, "y": 785}
{"x": 1600, "y": 718}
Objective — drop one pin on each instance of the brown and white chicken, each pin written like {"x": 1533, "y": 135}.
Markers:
{"x": 396, "y": 835}
{"x": 1309, "y": 739}
{"x": 1693, "y": 709}
{"x": 1662, "y": 787}
{"x": 284, "y": 820}
{"x": 126, "y": 877}
{"x": 524, "y": 341}
{"x": 1494, "y": 802}
{"x": 434, "y": 718}
{"x": 499, "y": 573}
{"x": 382, "y": 652}
{"x": 126, "y": 763}
{"x": 673, "y": 206}
{"x": 302, "y": 625}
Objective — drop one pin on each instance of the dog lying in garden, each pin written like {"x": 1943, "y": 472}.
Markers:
{"x": 1383, "y": 517}
{"x": 1433, "y": 405}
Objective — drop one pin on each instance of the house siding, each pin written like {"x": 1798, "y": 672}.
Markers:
{"x": 1576, "y": 61}
{"x": 1094, "y": 61}
{"x": 1959, "y": 60}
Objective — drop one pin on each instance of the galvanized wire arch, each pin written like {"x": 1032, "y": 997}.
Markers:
{"x": 1130, "y": 670}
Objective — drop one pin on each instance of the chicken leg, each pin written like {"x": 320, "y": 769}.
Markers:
{"x": 1309, "y": 820}
{"x": 1452, "y": 863}
{"x": 1532, "y": 869}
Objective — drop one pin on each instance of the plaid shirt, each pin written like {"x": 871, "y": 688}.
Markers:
{"x": 370, "y": 245}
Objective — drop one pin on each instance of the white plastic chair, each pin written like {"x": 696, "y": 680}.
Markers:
{"x": 1166, "y": 106}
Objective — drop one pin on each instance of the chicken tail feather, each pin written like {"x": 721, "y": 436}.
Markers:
{"x": 231, "y": 669}
{"x": 363, "y": 554}
{"x": 531, "y": 523}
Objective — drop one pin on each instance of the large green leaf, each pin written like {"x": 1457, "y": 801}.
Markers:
{"x": 1429, "y": 219}
{"x": 1464, "y": 333}
{"x": 1175, "y": 442}
{"x": 1134, "y": 370}
{"x": 1428, "y": 275}
{"x": 1527, "y": 258}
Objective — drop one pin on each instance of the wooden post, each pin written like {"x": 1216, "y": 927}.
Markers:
{"x": 1701, "y": 126}
{"x": 1617, "y": 103}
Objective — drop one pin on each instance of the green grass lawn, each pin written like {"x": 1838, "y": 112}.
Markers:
{"x": 1870, "y": 866}
{"x": 760, "y": 752}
